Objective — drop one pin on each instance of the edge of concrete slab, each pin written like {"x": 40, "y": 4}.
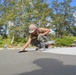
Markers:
{"x": 66, "y": 51}
{"x": 57, "y": 50}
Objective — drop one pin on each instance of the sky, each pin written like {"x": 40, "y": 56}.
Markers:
{"x": 73, "y": 3}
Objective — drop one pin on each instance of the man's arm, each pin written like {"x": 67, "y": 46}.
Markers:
{"x": 27, "y": 43}
{"x": 44, "y": 31}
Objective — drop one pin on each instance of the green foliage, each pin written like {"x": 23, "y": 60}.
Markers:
{"x": 63, "y": 19}
{"x": 57, "y": 16}
{"x": 17, "y": 41}
{"x": 1, "y": 41}
{"x": 64, "y": 41}
{"x": 4, "y": 41}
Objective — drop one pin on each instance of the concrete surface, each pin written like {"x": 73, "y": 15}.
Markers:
{"x": 66, "y": 51}
{"x": 36, "y": 63}
{"x": 57, "y": 50}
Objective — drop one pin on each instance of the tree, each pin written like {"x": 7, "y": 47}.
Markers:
{"x": 41, "y": 12}
{"x": 2, "y": 26}
{"x": 24, "y": 12}
{"x": 63, "y": 20}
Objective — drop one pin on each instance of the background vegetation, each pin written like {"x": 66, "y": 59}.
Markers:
{"x": 16, "y": 15}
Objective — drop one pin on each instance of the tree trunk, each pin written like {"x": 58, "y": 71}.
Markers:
{"x": 12, "y": 39}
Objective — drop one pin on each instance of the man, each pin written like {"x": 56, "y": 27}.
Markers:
{"x": 38, "y": 37}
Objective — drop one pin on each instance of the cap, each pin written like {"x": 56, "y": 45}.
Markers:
{"x": 32, "y": 28}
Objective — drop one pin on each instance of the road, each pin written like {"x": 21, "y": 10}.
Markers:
{"x": 36, "y": 63}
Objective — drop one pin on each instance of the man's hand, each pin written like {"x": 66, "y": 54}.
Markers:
{"x": 22, "y": 50}
{"x": 40, "y": 35}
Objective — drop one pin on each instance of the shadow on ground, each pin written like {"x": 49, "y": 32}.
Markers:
{"x": 51, "y": 67}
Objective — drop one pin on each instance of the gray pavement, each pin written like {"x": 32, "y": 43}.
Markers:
{"x": 56, "y": 50}
{"x": 36, "y": 63}
{"x": 65, "y": 50}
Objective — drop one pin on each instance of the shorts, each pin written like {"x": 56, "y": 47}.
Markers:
{"x": 39, "y": 41}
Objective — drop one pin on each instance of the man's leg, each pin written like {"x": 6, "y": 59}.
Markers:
{"x": 39, "y": 42}
{"x": 36, "y": 43}
{"x": 43, "y": 40}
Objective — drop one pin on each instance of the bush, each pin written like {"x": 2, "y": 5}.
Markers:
{"x": 64, "y": 41}
{"x": 1, "y": 41}
{"x": 4, "y": 41}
